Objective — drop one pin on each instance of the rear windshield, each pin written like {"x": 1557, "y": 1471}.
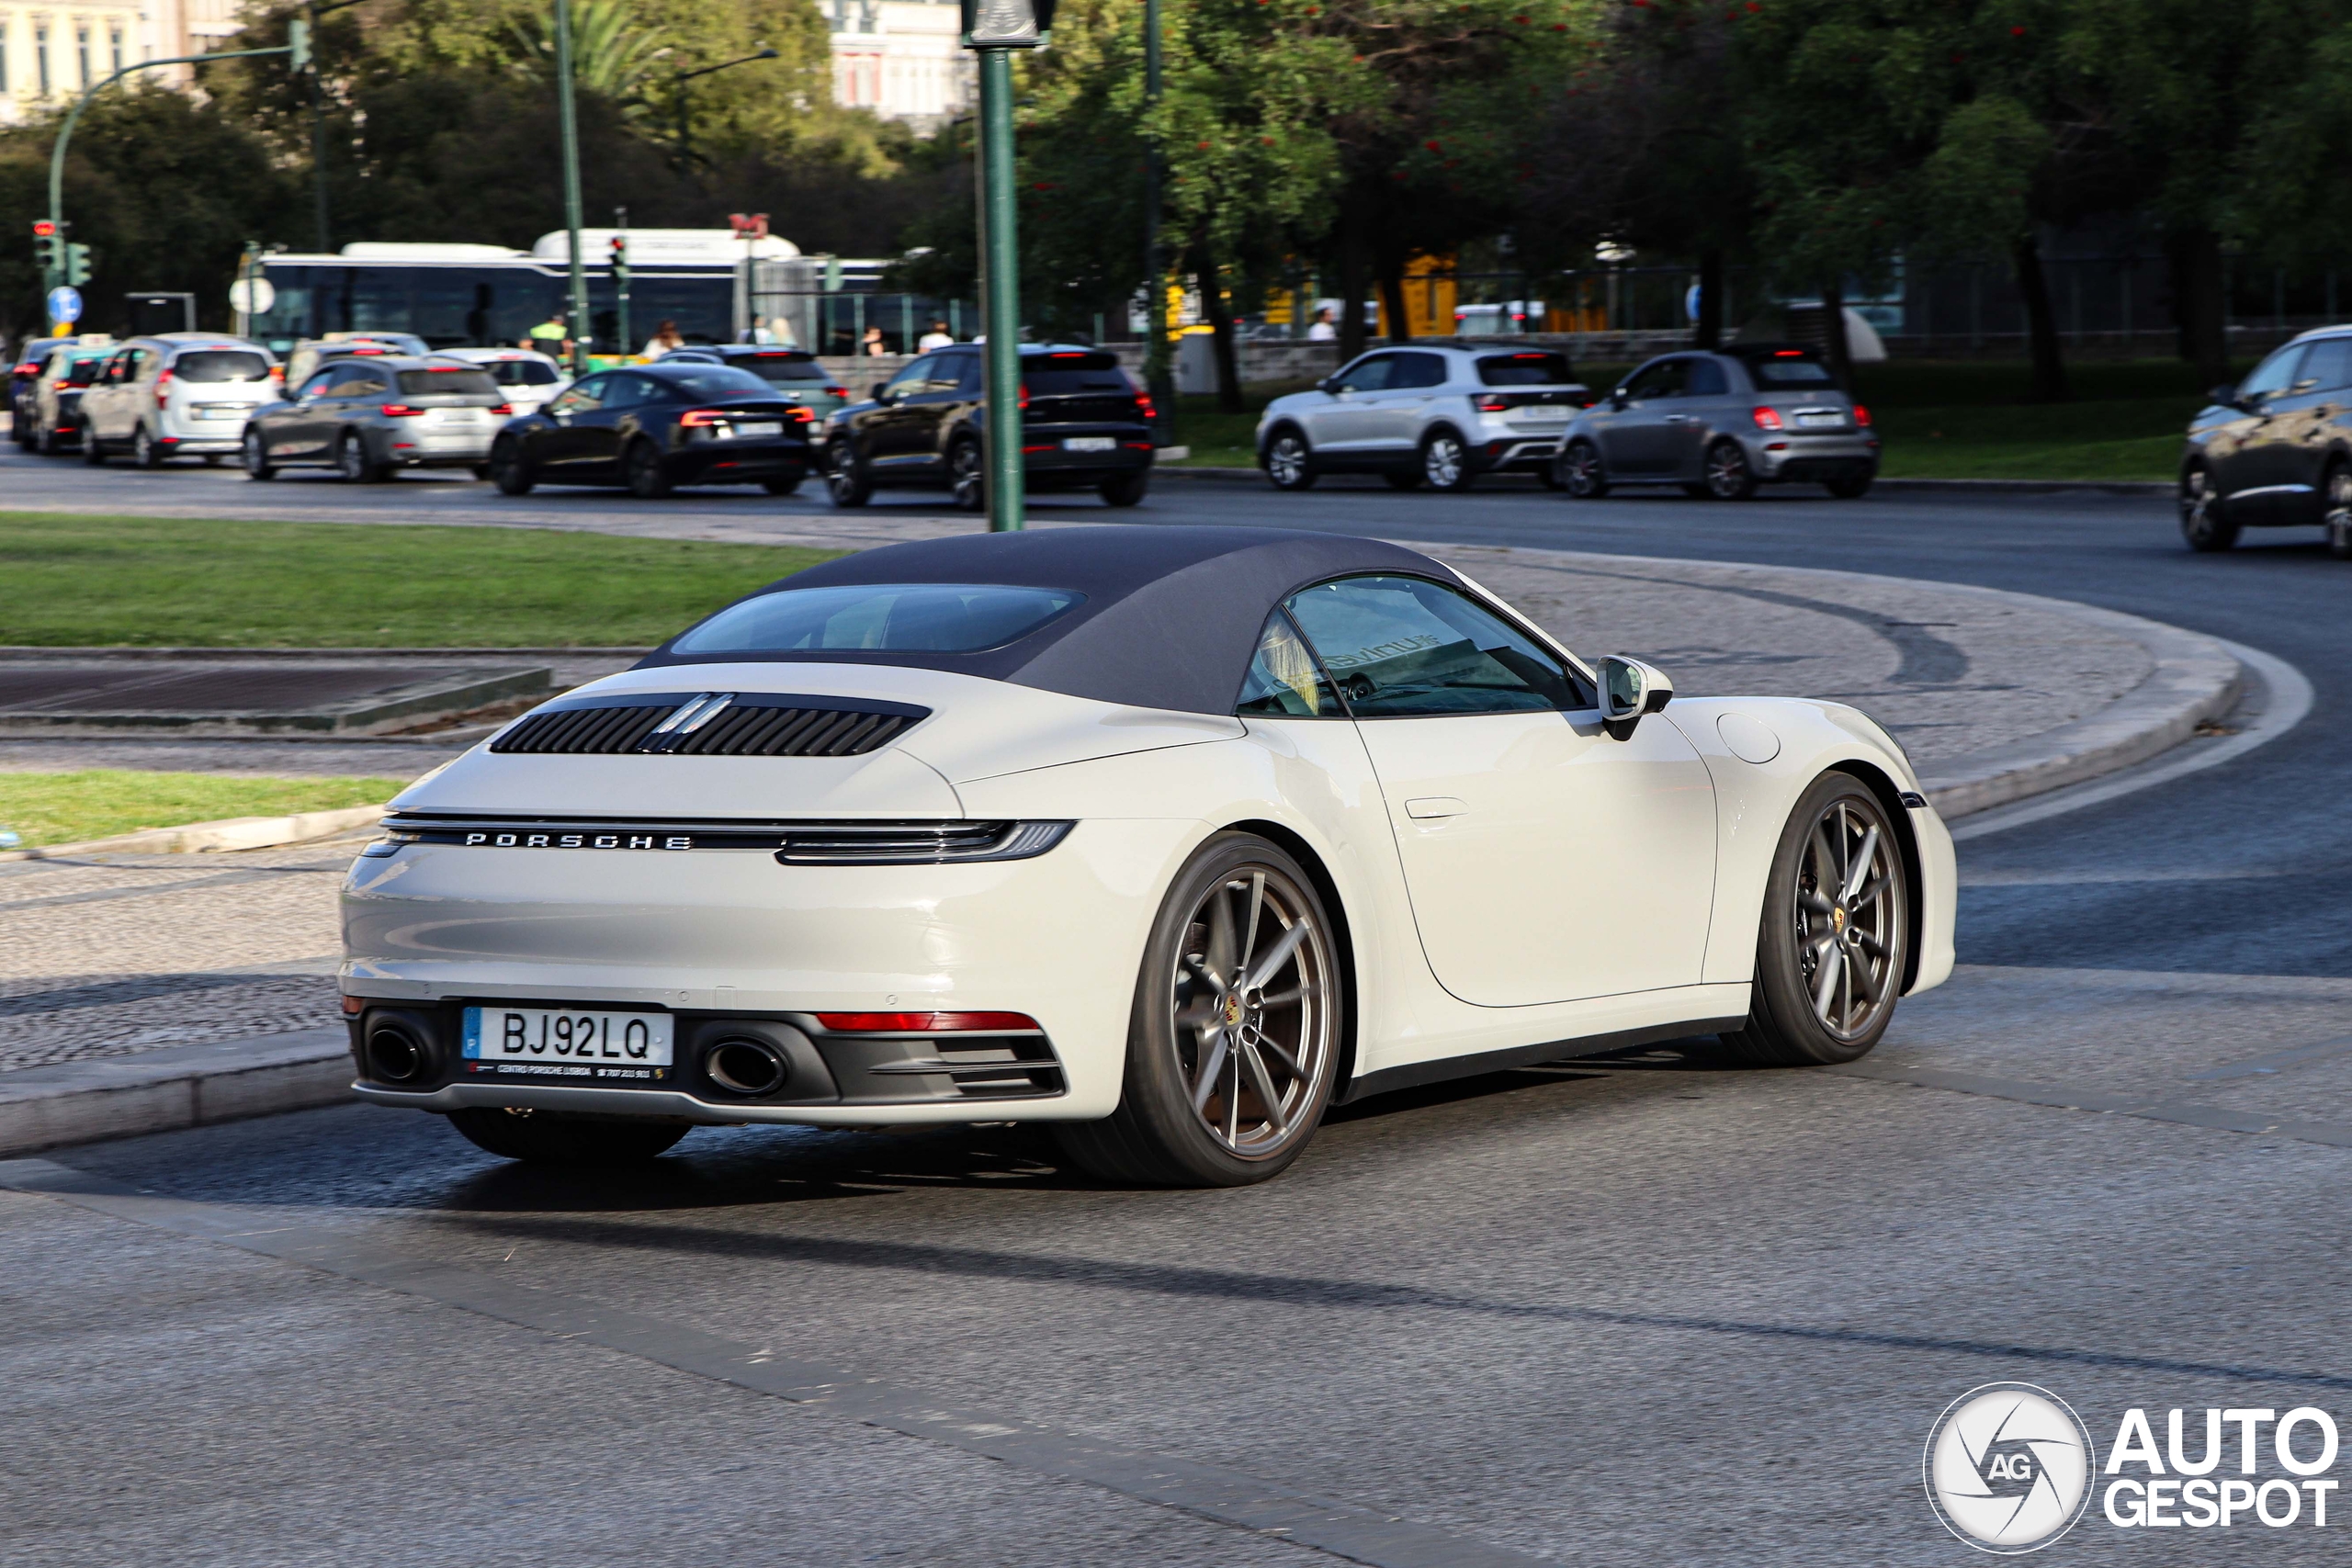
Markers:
{"x": 1525, "y": 370}
{"x": 889, "y": 618}
{"x": 221, "y": 364}
{"x": 1789, "y": 371}
{"x": 779, "y": 368}
{"x": 448, "y": 382}
{"x": 718, "y": 381}
{"x": 82, "y": 372}
{"x": 521, "y": 372}
{"x": 1060, "y": 375}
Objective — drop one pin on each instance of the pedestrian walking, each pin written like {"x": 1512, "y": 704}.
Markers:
{"x": 1322, "y": 329}
{"x": 665, "y": 337}
{"x": 938, "y": 337}
{"x": 551, "y": 337}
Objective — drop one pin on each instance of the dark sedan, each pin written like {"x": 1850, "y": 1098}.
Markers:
{"x": 655, "y": 426}
{"x": 1084, "y": 425}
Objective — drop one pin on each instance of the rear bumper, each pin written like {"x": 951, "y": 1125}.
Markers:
{"x": 1801, "y": 458}
{"x": 740, "y": 462}
{"x": 1515, "y": 451}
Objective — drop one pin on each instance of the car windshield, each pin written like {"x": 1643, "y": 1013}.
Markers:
{"x": 1525, "y": 370}
{"x": 521, "y": 372}
{"x": 82, "y": 372}
{"x": 1790, "y": 370}
{"x": 1060, "y": 375}
{"x": 888, "y": 617}
{"x": 718, "y": 381}
{"x": 446, "y": 381}
{"x": 221, "y": 364}
{"x": 779, "y": 368}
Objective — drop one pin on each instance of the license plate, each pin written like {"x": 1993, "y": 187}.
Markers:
{"x": 1089, "y": 442}
{"x": 1817, "y": 421}
{"x": 1539, "y": 416}
{"x": 458, "y": 416}
{"x": 568, "y": 1044}
{"x": 220, "y": 410}
{"x": 761, "y": 428}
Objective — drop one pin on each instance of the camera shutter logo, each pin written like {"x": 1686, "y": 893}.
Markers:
{"x": 2008, "y": 1468}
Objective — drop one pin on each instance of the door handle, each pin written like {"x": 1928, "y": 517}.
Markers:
{"x": 1435, "y": 806}
{"x": 1678, "y": 419}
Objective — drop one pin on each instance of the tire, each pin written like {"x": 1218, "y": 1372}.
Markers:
{"x": 2204, "y": 516}
{"x": 48, "y": 443}
{"x": 1851, "y": 486}
{"x": 480, "y": 470}
{"x": 2335, "y": 496}
{"x": 1411, "y": 480}
{"x": 1258, "y": 1108}
{"x": 1446, "y": 462}
{"x": 1127, "y": 490}
{"x": 1728, "y": 476}
{"x": 1288, "y": 461}
{"x": 94, "y": 451}
{"x": 351, "y": 459}
{"x": 641, "y": 467}
{"x": 968, "y": 475}
{"x": 508, "y": 471}
{"x": 782, "y": 487}
{"x": 144, "y": 452}
{"x": 1580, "y": 471}
{"x": 256, "y": 458}
{"x": 1838, "y": 826}
{"x": 846, "y": 480}
{"x": 1550, "y": 474}
{"x": 547, "y": 1137}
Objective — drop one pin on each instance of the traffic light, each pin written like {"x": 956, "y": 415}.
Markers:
{"x": 46, "y": 246}
{"x": 619, "y": 243}
{"x": 298, "y": 45}
{"x": 77, "y": 266}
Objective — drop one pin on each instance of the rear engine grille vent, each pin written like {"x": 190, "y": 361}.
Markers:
{"x": 717, "y": 723}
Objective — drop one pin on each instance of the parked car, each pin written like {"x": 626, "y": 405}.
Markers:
{"x": 176, "y": 395}
{"x": 2276, "y": 449}
{"x": 792, "y": 372}
{"x": 529, "y": 379}
{"x": 655, "y": 426}
{"x": 367, "y": 417}
{"x": 56, "y": 418}
{"x": 310, "y": 353}
{"x": 24, "y": 370}
{"x": 1084, "y": 425}
{"x": 1720, "y": 424}
{"x": 1436, "y": 413}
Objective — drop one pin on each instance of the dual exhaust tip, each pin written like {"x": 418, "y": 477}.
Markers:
{"x": 742, "y": 1065}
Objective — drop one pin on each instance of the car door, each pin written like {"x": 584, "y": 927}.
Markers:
{"x": 2252, "y": 453}
{"x": 1705, "y": 407}
{"x": 601, "y": 432}
{"x": 1345, "y": 415}
{"x": 1544, "y": 861}
{"x": 300, "y": 429}
{"x": 2307, "y": 419}
{"x": 559, "y": 450}
{"x": 1396, "y": 412}
{"x": 1636, "y": 438}
{"x": 896, "y": 434}
{"x": 101, "y": 405}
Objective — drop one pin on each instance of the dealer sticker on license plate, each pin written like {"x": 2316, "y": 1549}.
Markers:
{"x": 1089, "y": 442}
{"x": 571, "y": 1043}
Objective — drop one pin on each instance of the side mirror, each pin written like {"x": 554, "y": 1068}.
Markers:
{"x": 1629, "y": 689}
{"x": 2226, "y": 394}
{"x": 1617, "y": 396}
{"x": 880, "y": 393}
{"x": 1329, "y": 385}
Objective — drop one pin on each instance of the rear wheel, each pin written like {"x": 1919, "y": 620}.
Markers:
{"x": 145, "y": 452}
{"x": 642, "y": 468}
{"x": 1728, "y": 476}
{"x": 547, "y": 1137}
{"x": 1233, "y": 1043}
{"x": 256, "y": 458}
{"x": 2204, "y": 518}
{"x": 351, "y": 459}
{"x": 1289, "y": 464}
{"x": 2335, "y": 493}
{"x": 1445, "y": 462}
{"x": 1579, "y": 470}
{"x": 508, "y": 470}
{"x": 846, "y": 480}
{"x": 968, "y": 475}
{"x": 1835, "y": 936}
{"x": 1127, "y": 490}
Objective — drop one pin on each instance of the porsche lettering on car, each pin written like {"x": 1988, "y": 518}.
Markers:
{"x": 1170, "y": 839}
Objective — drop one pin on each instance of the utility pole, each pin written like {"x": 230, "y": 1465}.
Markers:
{"x": 1155, "y": 374}
{"x": 994, "y": 28}
{"x": 620, "y": 277}
{"x": 568, "y": 119}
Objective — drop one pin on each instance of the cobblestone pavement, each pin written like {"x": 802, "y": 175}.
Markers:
{"x": 133, "y": 952}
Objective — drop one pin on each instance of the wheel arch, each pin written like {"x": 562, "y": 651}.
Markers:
{"x": 1277, "y": 428}
{"x": 1343, "y": 934}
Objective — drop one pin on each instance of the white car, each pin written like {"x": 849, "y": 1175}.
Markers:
{"x": 176, "y": 395}
{"x": 1435, "y": 414}
{"x": 1171, "y": 837}
{"x": 530, "y": 380}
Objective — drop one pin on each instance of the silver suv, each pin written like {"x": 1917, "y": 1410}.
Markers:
{"x": 367, "y": 417}
{"x": 1720, "y": 424}
{"x": 1435, "y": 413}
{"x": 176, "y": 395}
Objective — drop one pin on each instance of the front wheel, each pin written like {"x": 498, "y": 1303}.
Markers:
{"x": 1233, "y": 1043}
{"x": 508, "y": 470}
{"x": 257, "y": 455}
{"x": 2204, "y": 518}
{"x": 2336, "y": 491}
{"x": 1289, "y": 464}
{"x": 642, "y": 468}
{"x": 1579, "y": 470}
{"x": 1127, "y": 490}
{"x": 1835, "y": 936}
{"x": 967, "y": 476}
{"x": 1445, "y": 462}
{"x": 1729, "y": 478}
{"x": 547, "y": 1137}
{"x": 846, "y": 480}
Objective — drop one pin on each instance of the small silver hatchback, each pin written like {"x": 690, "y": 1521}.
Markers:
{"x": 368, "y": 418}
{"x": 1721, "y": 424}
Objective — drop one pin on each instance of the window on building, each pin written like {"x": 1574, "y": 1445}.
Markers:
{"x": 114, "y": 43}
{"x": 5, "y": 78}
{"x": 41, "y": 58}
{"x": 82, "y": 52}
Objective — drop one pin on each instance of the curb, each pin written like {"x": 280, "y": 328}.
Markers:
{"x": 228, "y": 833}
{"x": 1981, "y": 487}
{"x": 181, "y": 1086}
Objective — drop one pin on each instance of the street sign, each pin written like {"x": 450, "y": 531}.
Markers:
{"x": 252, "y": 296}
{"x": 64, "y": 304}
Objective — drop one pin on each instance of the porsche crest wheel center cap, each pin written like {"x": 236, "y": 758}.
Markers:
{"x": 1233, "y": 1011}
{"x": 1836, "y": 919}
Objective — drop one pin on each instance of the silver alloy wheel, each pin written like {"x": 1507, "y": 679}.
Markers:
{"x": 1254, "y": 1023}
{"x": 1850, "y": 932}
{"x": 142, "y": 447}
{"x": 1286, "y": 460}
{"x": 1443, "y": 463}
{"x": 257, "y": 455}
{"x": 351, "y": 457}
{"x": 2196, "y": 504}
{"x": 1581, "y": 469}
{"x": 1727, "y": 472}
{"x": 967, "y": 477}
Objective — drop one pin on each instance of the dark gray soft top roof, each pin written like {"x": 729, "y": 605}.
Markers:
{"x": 1171, "y": 614}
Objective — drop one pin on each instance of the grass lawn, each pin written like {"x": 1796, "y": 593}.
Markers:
{"x": 164, "y": 582}
{"x": 1939, "y": 420}
{"x": 98, "y": 803}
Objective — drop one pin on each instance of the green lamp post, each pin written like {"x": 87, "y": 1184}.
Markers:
{"x": 994, "y": 28}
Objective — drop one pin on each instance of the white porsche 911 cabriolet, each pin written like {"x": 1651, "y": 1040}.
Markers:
{"x": 1171, "y": 837}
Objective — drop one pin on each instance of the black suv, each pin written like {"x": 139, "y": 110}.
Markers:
{"x": 2276, "y": 449}
{"x": 1084, "y": 425}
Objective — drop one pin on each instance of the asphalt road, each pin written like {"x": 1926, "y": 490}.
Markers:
{"x": 1652, "y": 1309}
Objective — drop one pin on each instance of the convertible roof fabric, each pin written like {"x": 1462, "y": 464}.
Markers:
{"x": 1172, "y": 615}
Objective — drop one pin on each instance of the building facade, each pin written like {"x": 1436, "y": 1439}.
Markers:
{"x": 49, "y": 53}
{"x": 900, "y": 59}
